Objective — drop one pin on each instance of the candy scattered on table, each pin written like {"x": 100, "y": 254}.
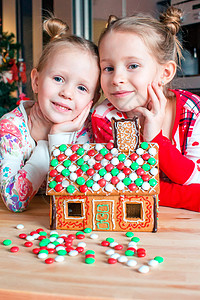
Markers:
{"x": 143, "y": 269}
{"x": 20, "y": 226}
{"x": 7, "y": 242}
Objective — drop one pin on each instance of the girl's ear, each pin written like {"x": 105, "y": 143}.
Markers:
{"x": 34, "y": 80}
{"x": 168, "y": 73}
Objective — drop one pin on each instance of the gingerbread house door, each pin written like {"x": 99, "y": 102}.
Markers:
{"x": 103, "y": 218}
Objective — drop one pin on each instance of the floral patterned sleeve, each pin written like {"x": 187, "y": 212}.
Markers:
{"x": 22, "y": 169}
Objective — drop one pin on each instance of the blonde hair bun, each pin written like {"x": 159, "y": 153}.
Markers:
{"x": 172, "y": 19}
{"x": 55, "y": 28}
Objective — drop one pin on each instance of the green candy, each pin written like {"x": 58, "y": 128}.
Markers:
{"x": 7, "y": 242}
{"x": 102, "y": 172}
{"x": 87, "y": 230}
{"x": 43, "y": 233}
{"x": 44, "y": 242}
{"x": 62, "y": 252}
{"x": 54, "y": 235}
{"x": 52, "y": 184}
{"x": 129, "y": 234}
{"x": 144, "y": 145}
{"x": 89, "y": 183}
{"x": 80, "y": 181}
{"x": 67, "y": 163}
{"x": 80, "y": 151}
{"x": 89, "y": 260}
{"x": 70, "y": 189}
{"x": 152, "y": 161}
{"x": 121, "y": 157}
{"x": 44, "y": 251}
{"x": 55, "y": 243}
{"x": 89, "y": 252}
{"x": 129, "y": 253}
{"x": 152, "y": 182}
{"x": 110, "y": 240}
{"x": 139, "y": 181}
{"x": 146, "y": 167}
{"x": 159, "y": 259}
{"x": 80, "y": 162}
{"x": 65, "y": 172}
{"x": 103, "y": 151}
{"x": 115, "y": 172}
{"x": 63, "y": 147}
{"x": 135, "y": 239}
{"x": 79, "y": 232}
{"x": 54, "y": 162}
{"x": 127, "y": 181}
{"x": 85, "y": 167}
{"x": 134, "y": 166}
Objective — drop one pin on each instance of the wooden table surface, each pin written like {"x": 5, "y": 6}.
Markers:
{"x": 24, "y": 276}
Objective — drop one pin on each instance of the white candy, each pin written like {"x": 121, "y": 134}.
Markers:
{"x": 51, "y": 246}
{"x": 132, "y": 244}
{"x": 52, "y": 239}
{"x": 91, "y": 161}
{"x": 96, "y": 177}
{"x": 60, "y": 168}
{"x": 86, "y": 157}
{"x": 65, "y": 183}
{"x": 122, "y": 259}
{"x": 107, "y": 176}
{"x": 110, "y": 252}
{"x": 60, "y": 248}
{"x": 95, "y": 187}
{"x": 94, "y": 236}
{"x": 109, "y": 187}
{"x": 131, "y": 263}
{"x": 120, "y": 186}
{"x": 59, "y": 258}
{"x": 56, "y": 152}
{"x": 20, "y": 226}
{"x": 133, "y": 176}
{"x": 121, "y": 176}
{"x": 86, "y": 146}
{"x": 153, "y": 263}
{"x": 152, "y": 151}
{"x": 115, "y": 255}
{"x": 143, "y": 269}
{"x": 104, "y": 162}
{"x": 42, "y": 255}
{"x": 154, "y": 171}
{"x": 72, "y": 168}
{"x": 68, "y": 152}
{"x": 115, "y": 161}
{"x": 73, "y": 176}
{"x": 64, "y": 234}
{"x": 30, "y": 238}
{"x": 82, "y": 244}
{"x": 53, "y": 232}
{"x": 140, "y": 161}
{"x": 127, "y": 162}
{"x": 98, "y": 147}
{"x": 114, "y": 151}
{"x": 140, "y": 151}
{"x": 113, "y": 244}
{"x": 145, "y": 186}
{"x": 73, "y": 253}
{"x": 60, "y": 240}
{"x": 35, "y": 236}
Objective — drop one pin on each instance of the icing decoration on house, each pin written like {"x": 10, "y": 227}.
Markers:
{"x": 109, "y": 187}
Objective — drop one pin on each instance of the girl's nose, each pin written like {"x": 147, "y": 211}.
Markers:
{"x": 66, "y": 92}
{"x": 118, "y": 78}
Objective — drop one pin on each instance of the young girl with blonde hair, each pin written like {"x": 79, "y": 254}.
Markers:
{"x": 139, "y": 56}
{"x": 65, "y": 83}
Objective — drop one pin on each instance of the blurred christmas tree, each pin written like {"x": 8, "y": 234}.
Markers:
{"x": 10, "y": 72}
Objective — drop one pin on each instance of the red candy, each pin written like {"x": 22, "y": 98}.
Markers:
{"x": 112, "y": 261}
{"x": 80, "y": 249}
{"x": 97, "y": 166}
{"x": 133, "y": 156}
{"x": 41, "y": 237}
{"x": 14, "y": 249}
{"x": 36, "y": 250}
{"x": 72, "y": 236}
{"x": 91, "y": 152}
{"x": 83, "y": 188}
{"x": 28, "y": 244}
{"x": 132, "y": 249}
{"x": 79, "y": 172}
{"x": 51, "y": 250}
{"x": 102, "y": 182}
{"x": 109, "y": 146}
{"x": 140, "y": 171}
{"x": 114, "y": 180}
{"x": 61, "y": 157}
{"x": 80, "y": 236}
{"x": 49, "y": 260}
{"x": 108, "y": 156}
{"x": 39, "y": 230}
{"x": 145, "y": 177}
{"x": 68, "y": 249}
{"x": 120, "y": 166}
{"x": 74, "y": 157}
{"x": 105, "y": 243}
{"x": 146, "y": 156}
{"x": 132, "y": 187}
{"x": 59, "y": 178}
{"x": 58, "y": 187}
{"x": 90, "y": 255}
{"x": 141, "y": 254}
{"x": 22, "y": 235}
{"x": 118, "y": 247}
{"x": 126, "y": 171}
{"x": 33, "y": 232}
{"x": 90, "y": 172}
{"x": 68, "y": 243}
{"x": 74, "y": 147}
{"x": 99, "y": 157}
{"x": 53, "y": 173}
{"x": 109, "y": 167}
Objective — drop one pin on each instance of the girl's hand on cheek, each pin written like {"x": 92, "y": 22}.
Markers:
{"x": 38, "y": 125}
{"x": 154, "y": 113}
{"x": 73, "y": 125}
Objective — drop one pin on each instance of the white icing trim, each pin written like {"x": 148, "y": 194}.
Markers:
{"x": 124, "y": 211}
{"x": 74, "y": 201}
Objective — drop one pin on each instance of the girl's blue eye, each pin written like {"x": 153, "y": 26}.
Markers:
{"x": 58, "y": 79}
{"x": 82, "y": 88}
{"x": 133, "y": 66}
{"x": 108, "y": 69}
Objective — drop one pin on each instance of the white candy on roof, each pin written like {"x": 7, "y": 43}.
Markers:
{"x": 109, "y": 187}
{"x": 73, "y": 176}
{"x": 146, "y": 186}
{"x": 133, "y": 176}
{"x": 96, "y": 187}
{"x": 139, "y": 151}
{"x": 121, "y": 176}
{"x": 107, "y": 177}
{"x": 86, "y": 157}
{"x": 140, "y": 161}
{"x": 68, "y": 152}
{"x": 86, "y": 146}
{"x": 120, "y": 186}
{"x": 56, "y": 152}
{"x": 96, "y": 177}
{"x": 65, "y": 183}
{"x": 72, "y": 168}
{"x": 98, "y": 147}
{"x": 114, "y": 151}
{"x": 152, "y": 151}
{"x": 154, "y": 171}
{"x": 114, "y": 161}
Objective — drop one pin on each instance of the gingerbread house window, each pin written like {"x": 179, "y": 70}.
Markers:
{"x": 74, "y": 209}
{"x": 134, "y": 211}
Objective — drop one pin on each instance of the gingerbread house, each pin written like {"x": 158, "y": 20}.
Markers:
{"x": 107, "y": 187}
